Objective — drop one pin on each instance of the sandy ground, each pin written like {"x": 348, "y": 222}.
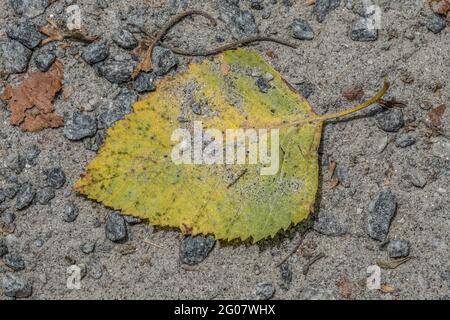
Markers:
{"x": 417, "y": 63}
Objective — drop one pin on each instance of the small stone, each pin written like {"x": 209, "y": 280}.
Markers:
{"x": 390, "y": 120}
{"x": 119, "y": 107}
{"x": 302, "y": 30}
{"x": 125, "y": 39}
{"x": 31, "y": 153}
{"x": 381, "y": 211}
{"x": 328, "y": 225}
{"x": 286, "y": 275}
{"x": 14, "y": 57}
{"x": 95, "y": 52}
{"x": 116, "y": 69}
{"x": 79, "y": 126}
{"x": 416, "y": 178}
{"x": 11, "y": 192}
{"x": 94, "y": 143}
{"x": 240, "y": 22}
{"x": 145, "y": 82}
{"x": 25, "y": 196}
{"x": 87, "y": 248}
{"x": 132, "y": 220}
{"x": 343, "y": 176}
{"x": 362, "y": 32}
{"x": 257, "y": 5}
{"x": 116, "y": 229}
{"x": 306, "y": 89}
{"x": 264, "y": 291}
{"x": 14, "y": 261}
{"x": 16, "y": 287}
{"x": 45, "y": 57}
{"x": 3, "y": 247}
{"x": 405, "y": 140}
{"x": 263, "y": 85}
{"x": 29, "y": 8}
{"x": 70, "y": 212}
{"x": 8, "y": 217}
{"x": 323, "y": 7}
{"x": 15, "y": 162}
{"x": 44, "y": 195}
{"x": 25, "y": 32}
{"x": 163, "y": 60}
{"x": 102, "y": 4}
{"x": 39, "y": 243}
{"x": 398, "y": 248}
{"x": 56, "y": 178}
{"x": 436, "y": 23}
{"x": 194, "y": 250}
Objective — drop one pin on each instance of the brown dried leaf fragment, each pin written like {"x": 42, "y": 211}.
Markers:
{"x": 345, "y": 287}
{"x": 393, "y": 264}
{"x": 441, "y": 7}
{"x": 435, "y": 115}
{"x": 353, "y": 94}
{"x": 55, "y": 33}
{"x": 31, "y": 103}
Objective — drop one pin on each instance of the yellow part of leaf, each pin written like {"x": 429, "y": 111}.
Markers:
{"x": 134, "y": 172}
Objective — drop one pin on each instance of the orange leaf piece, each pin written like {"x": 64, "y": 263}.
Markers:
{"x": 31, "y": 103}
{"x": 441, "y": 7}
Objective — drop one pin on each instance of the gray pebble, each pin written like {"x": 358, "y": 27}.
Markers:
{"x": 8, "y": 217}
{"x": 3, "y": 247}
{"x": 323, "y": 7}
{"x": 11, "y": 192}
{"x": 361, "y": 32}
{"x": 87, "y": 247}
{"x": 302, "y": 30}
{"x": 15, "y": 162}
{"x": 79, "y": 126}
{"x": 16, "y": 287}
{"x": 330, "y": 226}
{"x": 264, "y": 291}
{"x": 94, "y": 143}
{"x": 390, "y": 120}
{"x": 263, "y": 85}
{"x": 416, "y": 178}
{"x": 29, "y": 8}
{"x": 45, "y": 57}
{"x": 14, "y": 261}
{"x": 163, "y": 60}
{"x": 119, "y": 107}
{"x": 125, "y": 39}
{"x": 145, "y": 82}
{"x": 398, "y": 248}
{"x": 44, "y": 195}
{"x": 55, "y": 177}
{"x": 381, "y": 211}
{"x": 241, "y": 23}
{"x": 70, "y": 212}
{"x": 116, "y": 229}
{"x": 436, "y": 23}
{"x": 25, "y": 196}
{"x": 117, "y": 69}
{"x": 25, "y": 32}
{"x": 14, "y": 57}
{"x": 286, "y": 275}
{"x": 194, "y": 250}
{"x": 102, "y": 4}
{"x": 343, "y": 176}
{"x": 404, "y": 140}
{"x": 256, "y": 5}
{"x": 95, "y": 52}
{"x": 132, "y": 220}
{"x": 31, "y": 153}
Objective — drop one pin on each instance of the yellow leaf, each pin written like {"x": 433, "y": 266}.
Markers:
{"x": 134, "y": 171}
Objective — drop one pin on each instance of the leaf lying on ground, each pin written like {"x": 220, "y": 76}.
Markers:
{"x": 55, "y": 33}
{"x": 441, "y": 7}
{"x": 393, "y": 264}
{"x": 31, "y": 103}
{"x": 230, "y": 201}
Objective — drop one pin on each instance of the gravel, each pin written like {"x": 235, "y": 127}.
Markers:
{"x": 330, "y": 226}
{"x": 263, "y": 85}
{"x": 79, "y": 126}
{"x": 119, "y": 107}
{"x": 381, "y": 211}
{"x": 55, "y": 177}
{"x": 16, "y": 287}
{"x": 436, "y": 23}
{"x": 70, "y": 212}
{"x": 145, "y": 82}
{"x": 31, "y": 153}
{"x": 87, "y": 247}
{"x": 323, "y": 7}
{"x": 132, "y": 220}
{"x": 125, "y": 39}
{"x": 29, "y": 8}
{"x": 362, "y": 32}
{"x": 14, "y": 57}
{"x": 96, "y": 52}
{"x": 398, "y": 248}
{"x": 416, "y": 178}
{"x": 116, "y": 69}
{"x": 302, "y": 30}
{"x": 264, "y": 291}
{"x": 45, "y": 57}
{"x": 25, "y": 196}
{"x": 14, "y": 261}
{"x": 306, "y": 89}
{"x": 163, "y": 60}
{"x": 390, "y": 120}
{"x": 404, "y": 140}
{"x": 8, "y": 217}
{"x": 116, "y": 229}
{"x": 286, "y": 275}
{"x": 45, "y": 195}
{"x": 25, "y": 32}
{"x": 240, "y": 23}
{"x": 194, "y": 250}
